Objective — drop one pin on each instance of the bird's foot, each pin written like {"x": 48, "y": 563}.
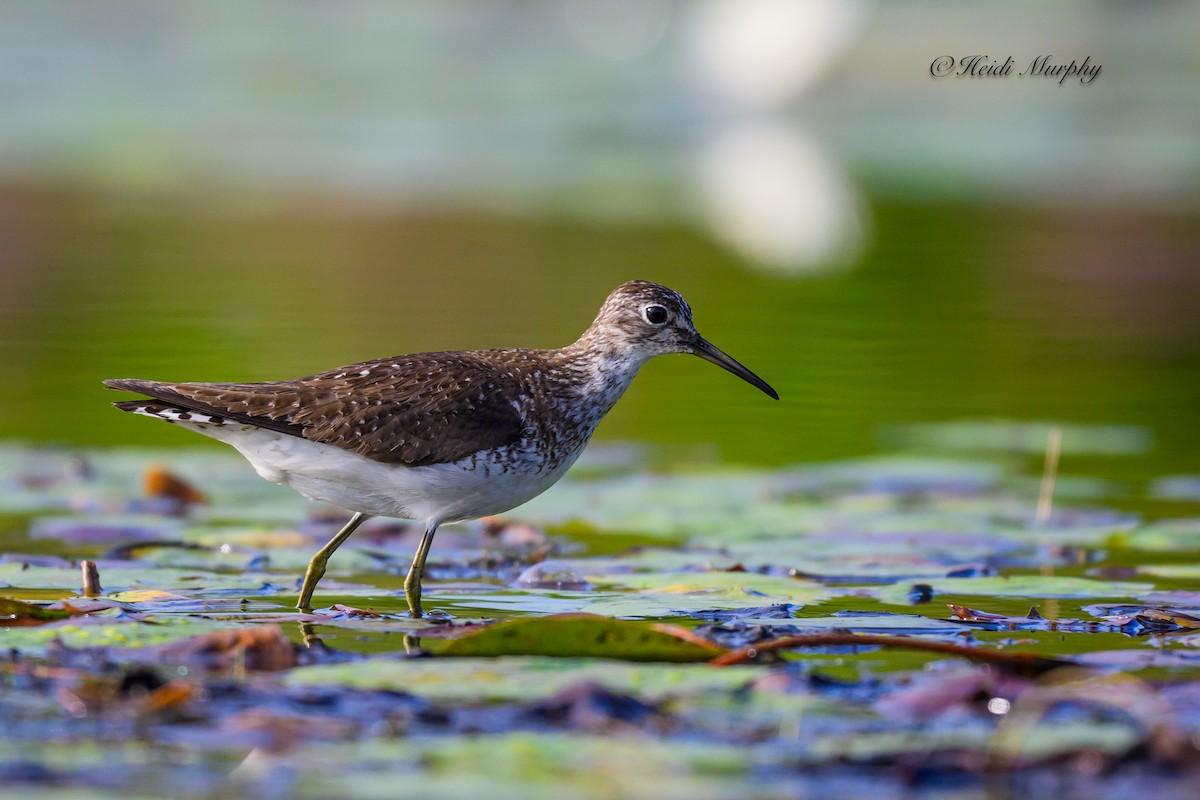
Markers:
{"x": 414, "y": 603}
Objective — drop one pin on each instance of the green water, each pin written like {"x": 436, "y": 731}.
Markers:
{"x": 955, "y": 312}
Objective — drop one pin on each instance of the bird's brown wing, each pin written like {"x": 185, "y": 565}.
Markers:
{"x": 415, "y": 410}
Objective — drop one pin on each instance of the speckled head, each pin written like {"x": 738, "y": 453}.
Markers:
{"x": 641, "y": 319}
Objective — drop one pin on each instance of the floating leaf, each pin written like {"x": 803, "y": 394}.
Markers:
{"x": 584, "y": 636}
{"x": 15, "y": 613}
{"x": 668, "y": 593}
{"x": 1152, "y": 619}
{"x": 104, "y": 530}
{"x": 518, "y": 678}
{"x": 862, "y": 622}
{"x": 525, "y": 765}
{"x": 795, "y": 589}
{"x": 1013, "y": 436}
{"x": 1170, "y": 535}
{"x": 1176, "y": 487}
{"x": 107, "y": 632}
{"x": 1164, "y": 619}
{"x": 124, "y": 577}
{"x": 1188, "y": 572}
{"x": 1031, "y": 586}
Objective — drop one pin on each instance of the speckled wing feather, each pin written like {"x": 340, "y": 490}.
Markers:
{"x": 415, "y": 410}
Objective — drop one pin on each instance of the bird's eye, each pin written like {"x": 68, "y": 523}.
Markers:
{"x": 655, "y": 315}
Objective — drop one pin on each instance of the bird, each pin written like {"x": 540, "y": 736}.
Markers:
{"x": 436, "y": 437}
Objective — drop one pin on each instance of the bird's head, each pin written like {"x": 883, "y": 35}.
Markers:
{"x": 645, "y": 319}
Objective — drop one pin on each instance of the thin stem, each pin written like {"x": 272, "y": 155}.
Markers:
{"x": 1049, "y": 473}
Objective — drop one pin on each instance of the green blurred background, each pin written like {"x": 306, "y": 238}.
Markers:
{"x": 233, "y": 191}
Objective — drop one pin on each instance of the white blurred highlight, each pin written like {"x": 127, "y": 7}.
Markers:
{"x": 770, "y": 192}
{"x": 760, "y": 53}
{"x": 768, "y": 189}
{"x": 999, "y": 706}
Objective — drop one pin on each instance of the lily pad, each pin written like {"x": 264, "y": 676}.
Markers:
{"x": 1188, "y": 572}
{"x": 584, "y": 636}
{"x": 539, "y": 766}
{"x": 1176, "y": 487}
{"x": 104, "y": 530}
{"x": 877, "y": 623}
{"x": 668, "y": 593}
{"x": 1013, "y": 436}
{"x": 131, "y": 576}
{"x": 108, "y": 632}
{"x": 517, "y": 678}
{"x": 1162, "y": 536}
{"x": 14, "y": 613}
{"x": 1031, "y": 586}
{"x": 796, "y": 590}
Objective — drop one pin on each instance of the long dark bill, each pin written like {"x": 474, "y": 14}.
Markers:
{"x": 710, "y": 352}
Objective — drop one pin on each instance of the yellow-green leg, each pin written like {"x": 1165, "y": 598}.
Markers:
{"x": 316, "y": 567}
{"x": 412, "y": 584}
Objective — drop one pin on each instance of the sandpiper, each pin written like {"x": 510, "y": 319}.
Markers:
{"x": 436, "y": 437}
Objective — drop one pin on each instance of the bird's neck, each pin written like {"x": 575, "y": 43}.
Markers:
{"x": 603, "y": 370}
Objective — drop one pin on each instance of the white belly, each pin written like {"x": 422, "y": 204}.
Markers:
{"x": 465, "y": 489}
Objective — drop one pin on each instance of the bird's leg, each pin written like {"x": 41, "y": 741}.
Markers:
{"x": 316, "y": 567}
{"x": 412, "y": 584}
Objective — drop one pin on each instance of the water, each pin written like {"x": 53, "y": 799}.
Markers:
{"x": 954, "y": 313}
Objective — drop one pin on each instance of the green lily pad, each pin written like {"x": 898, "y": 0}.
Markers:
{"x": 519, "y": 678}
{"x": 584, "y": 636}
{"x": 1189, "y": 572}
{"x": 1163, "y": 536}
{"x": 538, "y": 766}
{"x": 869, "y": 623}
{"x": 123, "y": 578}
{"x": 227, "y": 547}
{"x": 14, "y": 613}
{"x": 663, "y": 594}
{"x": 99, "y": 631}
{"x": 795, "y": 590}
{"x": 1031, "y": 586}
{"x": 1025, "y": 437}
